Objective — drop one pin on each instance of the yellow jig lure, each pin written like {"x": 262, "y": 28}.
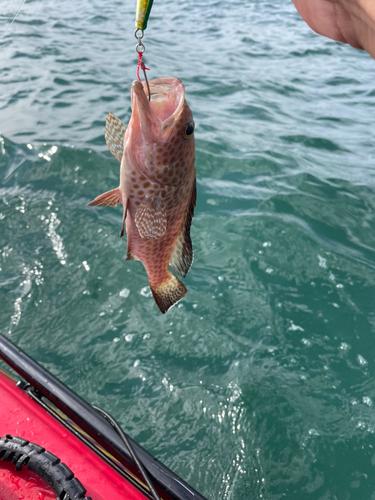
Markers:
{"x": 142, "y": 14}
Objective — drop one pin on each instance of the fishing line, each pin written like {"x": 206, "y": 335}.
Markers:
{"x": 142, "y": 65}
{"x": 140, "y": 50}
{"x": 15, "y": 17}
{"x": 141, "y": 18}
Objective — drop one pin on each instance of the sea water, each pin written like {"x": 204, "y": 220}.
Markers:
{"x": 260, "y": 383}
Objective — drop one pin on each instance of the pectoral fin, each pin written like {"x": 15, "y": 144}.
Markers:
{"x": 151, "y": 218}
{"x": 114, "y": 135}
{"x": 109, "y": 199}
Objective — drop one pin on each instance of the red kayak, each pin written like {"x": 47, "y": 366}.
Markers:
{"x": 55, "y": 445}
{"x": 21, "y": 416}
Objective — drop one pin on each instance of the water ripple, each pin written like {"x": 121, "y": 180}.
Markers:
{"x": 259, "y": 383}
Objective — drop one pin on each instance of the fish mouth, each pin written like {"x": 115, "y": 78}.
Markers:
{"x": 157, "y": 116}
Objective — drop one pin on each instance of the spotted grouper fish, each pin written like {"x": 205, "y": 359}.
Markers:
{"x": 157, "y": 184}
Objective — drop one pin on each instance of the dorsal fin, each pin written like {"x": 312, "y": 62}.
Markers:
{"x": 114, "y": 135}
{"x": 151, "y": 218}
{"x": 182, "y": 257}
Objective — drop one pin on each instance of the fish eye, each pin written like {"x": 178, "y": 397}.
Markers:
{"x": 189, "y": 129}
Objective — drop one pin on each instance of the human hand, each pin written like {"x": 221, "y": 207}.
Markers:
{"x": 347, "y": 21}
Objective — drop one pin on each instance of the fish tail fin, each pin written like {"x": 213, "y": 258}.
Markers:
{"x": 168, "y": 292}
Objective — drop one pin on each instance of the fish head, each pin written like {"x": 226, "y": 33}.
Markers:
{"x": 160, "y": 140}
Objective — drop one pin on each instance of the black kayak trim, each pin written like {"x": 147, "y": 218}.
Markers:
{"x": 44, "y": 384}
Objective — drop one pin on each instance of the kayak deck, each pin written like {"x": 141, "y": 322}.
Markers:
{"x": 21, "y": 416}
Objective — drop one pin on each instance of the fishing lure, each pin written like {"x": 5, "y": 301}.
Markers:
{"x": 142, "y": 14}
{"x": 157, "y": 178}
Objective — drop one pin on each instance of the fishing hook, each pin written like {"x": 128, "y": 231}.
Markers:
{"x": 141, "y": 49}
{"x": 143, "y": 67}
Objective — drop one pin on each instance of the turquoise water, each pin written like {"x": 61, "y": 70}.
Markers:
{"x": 260, "y": 384}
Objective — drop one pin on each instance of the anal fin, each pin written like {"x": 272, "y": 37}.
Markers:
{"x": 130, "y": 255}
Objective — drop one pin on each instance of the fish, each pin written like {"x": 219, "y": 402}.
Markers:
{"x": 157, "y": 187}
